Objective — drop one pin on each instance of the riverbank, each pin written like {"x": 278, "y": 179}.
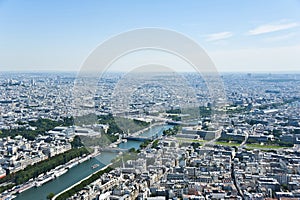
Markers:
{"x": 21, "y": 178}
{"x": 48, "y": 176}
{"x": 140, "y": 132}
{"x": 72, "y": 176}
{"x": 80, "y": 182}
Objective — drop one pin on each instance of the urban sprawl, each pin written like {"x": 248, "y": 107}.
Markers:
{"x": 234, "y": 136}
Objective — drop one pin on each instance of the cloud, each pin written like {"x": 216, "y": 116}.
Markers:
{"x": 268, "y": 28}
{"x": 280, "y": 37}
{"x": 219, "y": 36}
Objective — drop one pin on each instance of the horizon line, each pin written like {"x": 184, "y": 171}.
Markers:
{"x": 115, "y": 71}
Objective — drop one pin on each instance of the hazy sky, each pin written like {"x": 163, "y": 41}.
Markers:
{"x": 251, "y": 35}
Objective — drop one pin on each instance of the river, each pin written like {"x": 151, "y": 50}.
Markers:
{"x": 84, "y": 169}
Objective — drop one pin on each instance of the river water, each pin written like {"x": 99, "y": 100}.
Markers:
{"x": 84, "y": 169}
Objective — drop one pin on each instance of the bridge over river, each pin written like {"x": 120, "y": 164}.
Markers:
{"x": 149, "y": 133}
{"x": 141, "y": 138}
{"x": 113, "y": 149}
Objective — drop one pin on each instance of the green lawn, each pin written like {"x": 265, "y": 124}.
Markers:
{"x": 186, "y": 140}
{"x": 258, "y": 146}
{"x": 227, "y": 144}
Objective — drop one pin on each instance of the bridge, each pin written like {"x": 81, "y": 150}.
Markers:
{"x": 171, "y": 122}
{"x": 141, "y": 138}
{"x": 137, "y": 138}
{"x": 112, "y": 149}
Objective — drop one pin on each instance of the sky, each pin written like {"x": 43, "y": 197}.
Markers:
{"x": 248, "y": 35}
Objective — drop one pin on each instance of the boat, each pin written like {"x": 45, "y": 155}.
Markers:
{"x": 2, "y": 173}
{"x": 84, "y": 159}
{"x": 9, "y": 197}
{"x": 60, "y": 172}
{"x": 71, "y": 165}
{"x": 25, "y": 187}
{"x": 95, "y": 166}
{"x": 43, "y": 180}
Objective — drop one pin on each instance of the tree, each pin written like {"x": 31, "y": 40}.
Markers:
{"x": 76, "y": 143}
{"x": 50, "y": 195}
{"x": 155, "y": 144}
{"x": 196, "y": 145}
